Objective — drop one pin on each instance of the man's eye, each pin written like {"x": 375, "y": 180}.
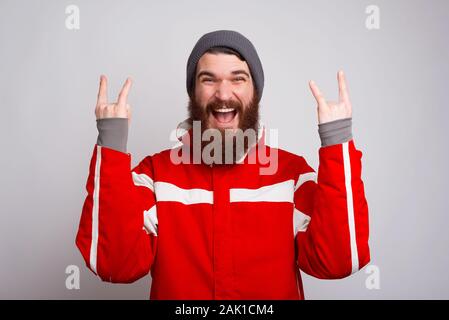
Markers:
{"x": 207, "y": 80}
{"x": 239, "y": 79}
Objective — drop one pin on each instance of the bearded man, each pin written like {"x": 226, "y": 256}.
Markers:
{"x": 206, "y": 218}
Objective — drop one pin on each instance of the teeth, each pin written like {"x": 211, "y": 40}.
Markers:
{"x": 225, "y": 110}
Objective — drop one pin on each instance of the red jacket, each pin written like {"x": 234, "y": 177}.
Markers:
{"x": 225, "y": 231}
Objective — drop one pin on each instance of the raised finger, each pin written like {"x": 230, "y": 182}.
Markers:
{"x": 103, "y": 91}
{"x": 123, "y": 96}
{"x": 342, "y": 87}
{"x": 316, "y": 92}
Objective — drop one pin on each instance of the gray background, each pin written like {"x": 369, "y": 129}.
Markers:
{"x": 397, "y": 77}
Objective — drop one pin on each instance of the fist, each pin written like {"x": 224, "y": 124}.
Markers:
{"x": 119, "y": 109}
{"x": 331, "y": 110}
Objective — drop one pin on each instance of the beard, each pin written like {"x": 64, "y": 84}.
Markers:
{"x": 234, "y": 144}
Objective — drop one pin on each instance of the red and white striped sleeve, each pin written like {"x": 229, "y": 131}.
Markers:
{"x": 117, "y": 234}
{"x": 331, "y": 214}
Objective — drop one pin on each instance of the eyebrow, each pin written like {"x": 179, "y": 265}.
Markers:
{"x": 210, "y": 74}
{"x": 205, "y": 73}
{"x": 240, "y": 72}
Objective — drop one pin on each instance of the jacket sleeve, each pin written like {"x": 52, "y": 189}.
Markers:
{"x": 331, "y": 214}
{"x": 117, "y": 234}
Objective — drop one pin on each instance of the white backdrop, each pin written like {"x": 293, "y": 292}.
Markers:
{"x": 397, "y": 78}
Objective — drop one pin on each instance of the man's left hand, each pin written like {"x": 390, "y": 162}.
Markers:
{"x": 331, "y": 110}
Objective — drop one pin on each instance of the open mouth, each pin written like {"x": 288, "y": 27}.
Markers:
{"x": 224, "y": 115}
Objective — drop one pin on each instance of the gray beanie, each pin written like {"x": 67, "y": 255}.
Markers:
{"x": 232, "y": 40}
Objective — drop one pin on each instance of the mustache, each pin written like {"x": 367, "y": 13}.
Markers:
{"x": 217, "y": 104}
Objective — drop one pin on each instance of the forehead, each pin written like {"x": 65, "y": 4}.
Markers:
{"x": 221, "y": 64}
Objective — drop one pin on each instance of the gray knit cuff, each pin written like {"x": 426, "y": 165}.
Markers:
{"x": 113, "y": 133}
{"x": 335, "y": 132}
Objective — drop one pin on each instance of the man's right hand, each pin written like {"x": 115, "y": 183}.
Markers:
{"x": 119, "y": 109}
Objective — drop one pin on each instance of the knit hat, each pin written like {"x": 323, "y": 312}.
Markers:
{"x": 232, "y": 40}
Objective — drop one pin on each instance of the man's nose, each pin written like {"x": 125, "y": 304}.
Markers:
{"x": 224, "y": 91}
